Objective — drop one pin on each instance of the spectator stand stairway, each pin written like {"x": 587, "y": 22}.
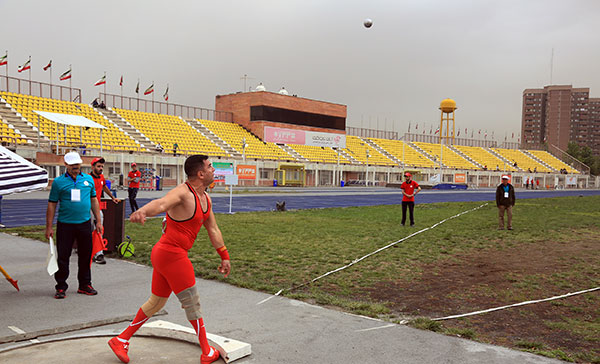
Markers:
{"x": 22, "y": 127}
{"x": 128, "y": 129}
{"x": 346, "y": 155}
{"x": 429, "y": 156}
{"x": 459, "y": 152}
{"x": 381, "y": 150}
{"x": 294, "y": 154}
{"x": 213, "y": 138}
{"x": 503, "y": 159}
{"x": 535, "y": 158}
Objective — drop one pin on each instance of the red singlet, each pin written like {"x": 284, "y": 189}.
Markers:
{"x": 173, "y": 271}
{"x": 183, "y": 233}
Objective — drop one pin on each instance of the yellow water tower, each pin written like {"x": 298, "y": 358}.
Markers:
{"x": 447, "y": 106}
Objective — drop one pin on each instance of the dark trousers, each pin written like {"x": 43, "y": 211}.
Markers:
{"x": 132, "y": 195}
{"x": 411, "y": 209}
{"x": 65, "y": 236}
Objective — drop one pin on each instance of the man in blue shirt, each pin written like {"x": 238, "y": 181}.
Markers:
{"x": 76, "y": 193}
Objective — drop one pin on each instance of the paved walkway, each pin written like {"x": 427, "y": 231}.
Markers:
{"x": 280, "y": 330}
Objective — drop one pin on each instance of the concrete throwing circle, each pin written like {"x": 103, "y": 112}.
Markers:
{"x": 92, "y": 350}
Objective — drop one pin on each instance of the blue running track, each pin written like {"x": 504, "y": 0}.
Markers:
{"x": 23, "y": 212}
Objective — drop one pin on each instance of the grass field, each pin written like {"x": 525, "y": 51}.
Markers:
{"x": 463, "y": 265}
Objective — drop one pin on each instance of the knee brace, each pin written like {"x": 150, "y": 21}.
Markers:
{"x": 190, "y": 302}
{"x": 153, "y": 305}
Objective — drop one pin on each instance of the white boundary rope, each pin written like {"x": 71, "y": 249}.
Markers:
{"x": 515, "y": 305}
{"x": 373, "y": 253}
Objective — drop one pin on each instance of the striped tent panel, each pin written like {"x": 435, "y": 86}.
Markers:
{"x": 19, "y": 175}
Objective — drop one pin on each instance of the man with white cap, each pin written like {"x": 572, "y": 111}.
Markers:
{"x": 76, "y": 193}
{"x": 505, "y": 200}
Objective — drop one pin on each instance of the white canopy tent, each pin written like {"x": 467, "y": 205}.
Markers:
{"x": 68, "y": 119}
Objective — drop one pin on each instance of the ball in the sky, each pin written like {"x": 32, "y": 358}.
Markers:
{"x": 368, "y": 23}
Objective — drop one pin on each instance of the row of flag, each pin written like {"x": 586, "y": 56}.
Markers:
{"x": 458, "y": 132}
{"x": 67, "y": 75}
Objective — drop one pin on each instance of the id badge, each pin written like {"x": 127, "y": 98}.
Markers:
{"x": 505, "y": 194}
{"x": 75, "y": 195}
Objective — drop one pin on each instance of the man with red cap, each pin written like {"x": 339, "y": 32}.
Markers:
{"x": 133, "y": 179}
{"x": 100, "y": 186}
{"x": 409, "y": 189}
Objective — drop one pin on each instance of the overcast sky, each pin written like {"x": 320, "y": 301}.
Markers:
{"x": 482, "y": 54}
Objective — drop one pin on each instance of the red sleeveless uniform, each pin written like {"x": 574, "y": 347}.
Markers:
{"x": 173, "y": 271}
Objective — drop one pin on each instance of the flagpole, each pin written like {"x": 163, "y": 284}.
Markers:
{"x": 7, "y": 71}
{"x": 152, "y": 96}
{"x": 50, "y": 81}
{"x": 137, "y": 88}
{"x": 105, "y": 87}
{"x": 29, "y": 75}
{"x": 70, "y": 84}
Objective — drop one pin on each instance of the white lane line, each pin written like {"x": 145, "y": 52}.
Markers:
{"x": 376, "y": 328}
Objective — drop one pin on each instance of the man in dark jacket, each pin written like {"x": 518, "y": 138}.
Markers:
{"x": 505, "y": 200}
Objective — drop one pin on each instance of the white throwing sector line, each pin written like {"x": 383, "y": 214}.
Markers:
{"x": 268, "y": 298}
{"x": 372, "y": 253}
{"x": 16, "y": 329}
{"x": 392, "y": 244}
{"x": 376, "y": 328}
{"x": 516, "y": 304}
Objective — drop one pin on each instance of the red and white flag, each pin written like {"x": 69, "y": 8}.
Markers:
{"x": 166, "y": 95}
{"x": 121, "y": 81}
{"x": 101, "y": 81}
{"x": 149, "y": 90}
{"x": 26, "y": 66}
{"x": 48, "y": 66}
{"x": 4, "y": 59}
{"x": 66, "y": 75}
{"x": 437, "y": 131}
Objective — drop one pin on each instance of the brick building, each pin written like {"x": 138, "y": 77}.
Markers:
{"x": 558, "y": 114}
{"x": 255, "y": 110}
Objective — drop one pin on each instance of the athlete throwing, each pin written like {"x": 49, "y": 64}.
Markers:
{"x": 188, "y": 207}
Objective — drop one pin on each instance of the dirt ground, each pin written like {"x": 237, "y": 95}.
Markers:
{"x": 487, "y": 279}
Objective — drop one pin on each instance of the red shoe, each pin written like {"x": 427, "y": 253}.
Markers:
{"x": 120, "y": 349}
{"x": 205, "y": 359}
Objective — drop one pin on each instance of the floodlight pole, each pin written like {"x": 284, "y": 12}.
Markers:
{"x": 367, "y": 169}
{"x": 244, "y": 149}
{"x": 38, "y": 132}
{"x": 338, "y": 174}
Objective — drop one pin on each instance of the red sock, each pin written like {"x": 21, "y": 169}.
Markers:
{"x": 201, "y": 332}
{"x": 137, "y": 322}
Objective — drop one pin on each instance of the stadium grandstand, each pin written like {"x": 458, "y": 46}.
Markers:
{"x": 112, "y": 138}
{"x": 313, "y": 129}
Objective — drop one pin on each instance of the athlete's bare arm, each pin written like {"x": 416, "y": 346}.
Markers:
{"x": 216, "y": 238}
{"x": 163, "y": 204}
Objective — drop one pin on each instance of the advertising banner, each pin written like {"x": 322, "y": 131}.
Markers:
{"x": 223, "y": 169}
{"x": 313, "y": 138}
{"x": 329, "y": 140}
{"x": 460, "y": 178}
{"x": 571, "y": 180}
{"x": 246, "y": 171}
{"x": 284, "y": 136}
